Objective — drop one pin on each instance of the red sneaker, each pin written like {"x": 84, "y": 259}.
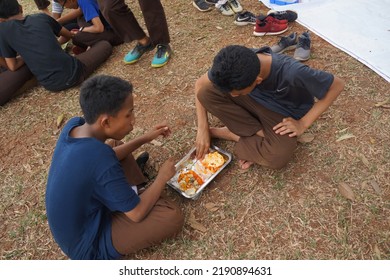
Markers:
{"x": 78, "y": 50}
{"x": 269, "y": 26}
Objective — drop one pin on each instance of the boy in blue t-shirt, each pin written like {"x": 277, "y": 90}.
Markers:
{"x": 93, "y": 206}
{"x": 93, "y": 26}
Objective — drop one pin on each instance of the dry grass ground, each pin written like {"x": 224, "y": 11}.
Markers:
{"x": 299, "y": 212}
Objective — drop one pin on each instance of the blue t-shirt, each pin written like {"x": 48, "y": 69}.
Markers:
{"x": 291, "y": 86}
{"x": 90, "y": 9}
{"x": 85, "y": 185}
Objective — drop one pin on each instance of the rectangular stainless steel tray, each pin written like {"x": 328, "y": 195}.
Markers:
{"x": 188, "y": 162}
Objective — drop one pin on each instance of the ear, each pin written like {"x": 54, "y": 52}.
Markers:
{"x": 20, "y": 9}
{"x": 104, "y": 121}
{"x": 258, "y": 80}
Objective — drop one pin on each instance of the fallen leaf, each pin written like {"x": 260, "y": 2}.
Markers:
{"x": 27, "y": 167}
{"x": 197, "y": 226}
{"x": 377, "y": 251}
{"x": 376, "y": 187}
{"x": 156, "y": 143}
{"x": 365, "y": 160}
{"x": 346, "y": 191}
{"x": 380, "y": 104}
{"x": 345, "y": 137}
{"x": 306, "y": 138}
{"x": 59, "y": 121}
{"x": 211, "y": 207}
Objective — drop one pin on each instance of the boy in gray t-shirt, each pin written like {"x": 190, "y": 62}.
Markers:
{"x": 265, "y": 100}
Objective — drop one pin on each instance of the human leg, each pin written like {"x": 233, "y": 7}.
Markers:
{"x": 121, "y": 19}
{"x": 244, "y": 117}
{"x": 164, "y": 221}
{"x": 13, "y": 83}
{"x": 155, "y": 21}
{"x": 94, "y": 57}
{"x": 157, "y": 26}
{"x": 86, "y": 39}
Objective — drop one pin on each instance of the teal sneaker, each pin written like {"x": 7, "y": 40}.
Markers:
{"x": 162, "y": 56}
{"x": 135, "y": 54}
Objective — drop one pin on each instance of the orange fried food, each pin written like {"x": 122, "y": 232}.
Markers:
{"x": 189, "y": 179}
{"x": 213, "y": 161}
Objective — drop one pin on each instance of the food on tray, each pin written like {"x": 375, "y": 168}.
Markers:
{"x": 189, "y": 180}
{"x": 210, "y": 164}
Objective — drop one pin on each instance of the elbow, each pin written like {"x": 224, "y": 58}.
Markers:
{"x": 100, "y": 29}
{"x": 135, "y": 216}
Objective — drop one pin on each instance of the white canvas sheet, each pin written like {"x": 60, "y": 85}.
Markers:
{"x": 360, "y": 28}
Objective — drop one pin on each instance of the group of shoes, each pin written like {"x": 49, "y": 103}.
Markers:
{"x": 228, "y": 8}
{"x": 300, "y": 43}
{"x": 274, "y": 23}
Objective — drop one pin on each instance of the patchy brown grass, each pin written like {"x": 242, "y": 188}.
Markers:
{"x": 295, "y": 213}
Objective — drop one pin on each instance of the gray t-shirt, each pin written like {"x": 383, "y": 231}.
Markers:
{"x": 291, "y": 86}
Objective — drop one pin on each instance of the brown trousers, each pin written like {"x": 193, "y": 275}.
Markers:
{"x": 14, "y": 83}
{"x": 164, "y": 221}
{"x": 244, "y": 117}
{"x": 126, "y": 26}
{"x": 86, "y": 39}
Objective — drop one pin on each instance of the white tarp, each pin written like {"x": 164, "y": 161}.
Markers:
{"x": 360, "y": 28}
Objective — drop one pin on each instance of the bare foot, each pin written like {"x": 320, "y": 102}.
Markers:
{"x": 223, "y": 133}
{"x": 244, "y": 164}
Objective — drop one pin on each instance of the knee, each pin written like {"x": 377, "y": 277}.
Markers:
{"x": 281, "y": 158}
{"x": 174, "y": 218}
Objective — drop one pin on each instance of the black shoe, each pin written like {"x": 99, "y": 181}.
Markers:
{"x": 201, "y": 5}
{"x": 288, "y": 15}
{"x": 141, "y": 160}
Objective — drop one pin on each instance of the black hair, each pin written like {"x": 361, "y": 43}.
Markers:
{"x": 9, "y": 8}
{"x": 103, "y": 94}
{"x": 234, "y": 68}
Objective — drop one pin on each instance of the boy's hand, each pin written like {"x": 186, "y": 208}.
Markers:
{"x": 167, "y": 170}
{"x": 202, "y": 143}
{"x": 160, "y": 129}
{"x": 289, "y": 126}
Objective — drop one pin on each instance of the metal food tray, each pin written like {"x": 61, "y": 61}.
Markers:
{"x": 188, "y": 163}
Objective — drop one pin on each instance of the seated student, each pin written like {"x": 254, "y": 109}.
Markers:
{"x": 50, "y": 64}
{"x": 69, "y": 20}
{"x": 94, "y": 27}
{"x": 265, "y": 100}
{"x": 93, "y": 208}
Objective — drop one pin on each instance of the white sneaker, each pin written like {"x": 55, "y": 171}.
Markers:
{"x": 226, "y": 10}
{"x": 235, "y": 5}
